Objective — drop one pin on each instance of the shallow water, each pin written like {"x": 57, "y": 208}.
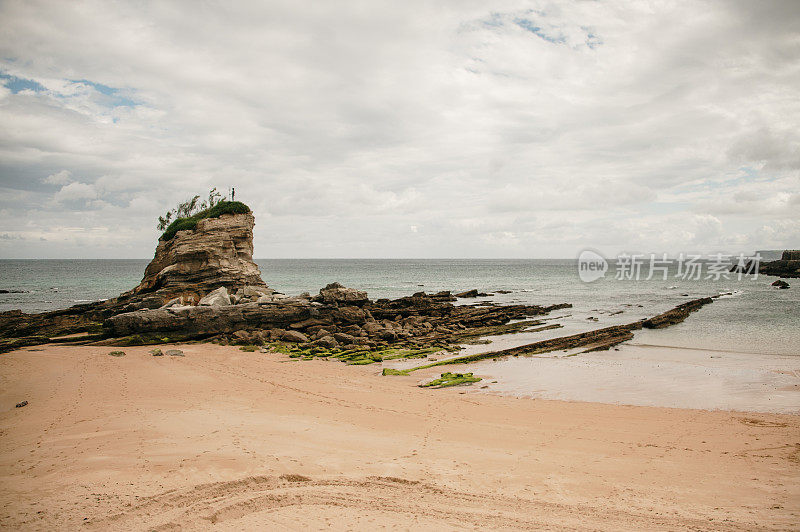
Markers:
{"x": 647, "y": 375}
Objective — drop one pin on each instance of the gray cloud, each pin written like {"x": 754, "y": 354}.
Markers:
{"x": 522, "y": 129}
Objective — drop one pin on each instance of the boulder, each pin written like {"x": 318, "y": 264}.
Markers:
{"x": 328, "y": 342}
{"x": 242, "y": 337}
{"x": 319, "y": 333}
{"x": 174, "y": 353}
{"x": 471, "y": 293}
{"x": 294, "y": 337}
{"x": 255, "y": 291}
{"x": 781, "y": 284}
{"x": 344, "y": 338}
{"x": 216, "y": 298}
{"x": 336, "y": 293}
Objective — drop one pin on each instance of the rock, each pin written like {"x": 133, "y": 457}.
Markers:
{"x": 117, "y": 353}
{"x": 676, "y": 315}
{"x": 319, "y": 333}
{"x": 781, "y": 284}
{"x": 327, "y": 342}
{"x": 174, "y": 302}
{"x": 174, "y": 353}
{"x": 349, "y": 315}
{"x": 312, "y": 322}
{"x": 344, "y": 338}
{"x": 372, "y": 328}
{"x": 294, "y": 337}
{"x": 216, "y": 298}
{"x": 336, "y": 293}
{"x": 20, "y": 405}
{"x": 255, "y": 291}
{"x": 156, "y": 352}
{"x": 502, "y": 291}
{"x": 218, "y": 252}
{"x": 471, "y": 293}
{"x": 242, "y": 337}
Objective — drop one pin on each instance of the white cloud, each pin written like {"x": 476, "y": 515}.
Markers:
{"x": 74, "y": 192}
{"x": 59, "y": 178}
{"x": 534, "y": 125}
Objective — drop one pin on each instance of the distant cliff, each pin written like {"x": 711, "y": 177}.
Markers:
{"x": 788, "y": 266}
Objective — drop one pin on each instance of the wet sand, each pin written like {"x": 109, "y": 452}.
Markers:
{"x": 244, "y": 440}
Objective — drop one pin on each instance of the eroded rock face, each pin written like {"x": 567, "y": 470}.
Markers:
{"x": 218, "y": 252}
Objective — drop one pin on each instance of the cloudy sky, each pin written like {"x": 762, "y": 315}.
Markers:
{"x": 405, "y": 128}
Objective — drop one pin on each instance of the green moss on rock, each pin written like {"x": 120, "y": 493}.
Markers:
{"x": 451, "y": 379}
{"x": 223, "y": 207}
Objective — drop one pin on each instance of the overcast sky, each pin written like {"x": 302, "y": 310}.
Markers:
{"x": 403, "y": 129}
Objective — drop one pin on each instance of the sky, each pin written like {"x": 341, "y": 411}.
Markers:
{"x": 463, "y": 129}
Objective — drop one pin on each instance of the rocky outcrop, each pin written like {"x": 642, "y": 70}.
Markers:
{"x": 471, "y": 293}
{"x": 217, "y": 253}
{"x": 787, "y": 267}
{"x": 336, "y": 293}
{"x": 675, "y": 315}
{"x": 595, "y": 340}
{"x": 346, "y": 317}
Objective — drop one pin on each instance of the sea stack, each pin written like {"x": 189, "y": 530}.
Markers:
{"x": 218, "y": 252}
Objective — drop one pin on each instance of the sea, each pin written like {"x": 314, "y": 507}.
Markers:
{"x": 753, "y": 327}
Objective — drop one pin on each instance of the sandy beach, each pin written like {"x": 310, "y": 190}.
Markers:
{"x": 239, "y": 440}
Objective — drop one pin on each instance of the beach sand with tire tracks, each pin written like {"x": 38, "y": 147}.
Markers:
{"x": 226, "y": 439}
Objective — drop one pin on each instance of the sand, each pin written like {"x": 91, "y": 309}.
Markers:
{"x": 231, "y": 440}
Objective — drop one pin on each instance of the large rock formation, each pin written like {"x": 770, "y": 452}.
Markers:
{"x": 788, "y": 266}
{"x": 217, "y": 253}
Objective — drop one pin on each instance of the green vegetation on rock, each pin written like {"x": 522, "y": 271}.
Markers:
{"x": 451, "y": 379}
{"x": 355, "y": 357}
{"x": 190, "y": 222}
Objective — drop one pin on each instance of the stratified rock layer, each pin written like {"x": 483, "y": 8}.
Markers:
{"x": 218, "y": 252}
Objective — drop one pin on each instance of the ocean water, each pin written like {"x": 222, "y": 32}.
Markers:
{"x": 755, "y": 318}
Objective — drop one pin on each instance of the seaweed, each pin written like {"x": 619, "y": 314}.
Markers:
{"x": 451, "y": 379}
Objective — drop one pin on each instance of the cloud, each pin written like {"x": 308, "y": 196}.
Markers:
{"x": 75, "y": 191}
{"x": 528, "y": 128}
{"x": 59, "y": 178}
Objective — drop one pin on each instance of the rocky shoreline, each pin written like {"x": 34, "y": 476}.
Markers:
{"x": 202, "y": 285}
{"x": 788, "y": 266}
